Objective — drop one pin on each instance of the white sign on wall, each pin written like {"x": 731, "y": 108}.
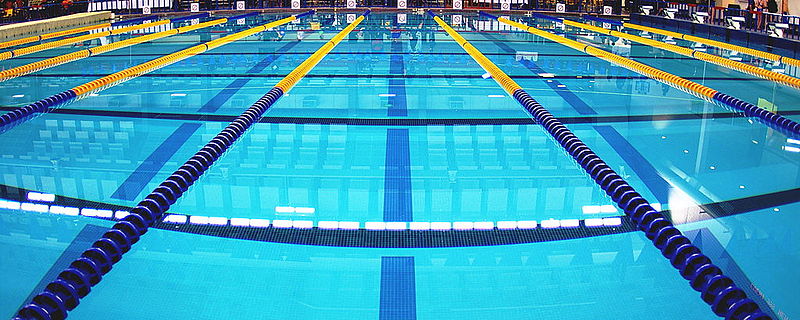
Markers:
{"x": 458, "y": 5}
{"x": 195, "y": 21}
{"x": 401, "y": 18}
{"x": 457, "y": 19}
{"x": 606, "y": 25}
{"x": 505, "y": 5}
{"x": 145, "y": 10}
{"x": 240, "y": 22}
{"x": 194, "y": 7}
{"x": 351, "y": 17}
{"x": 351, "y": 4}
{"x": 402, "y": 4}
{"x": 295, "y": 4}
{"x": 239, "y": 5}
{"x": 608, "y": 10}
{"x": 561, "y": 8}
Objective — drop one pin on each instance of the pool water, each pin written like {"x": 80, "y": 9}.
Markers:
{"x": 395, "y": 128}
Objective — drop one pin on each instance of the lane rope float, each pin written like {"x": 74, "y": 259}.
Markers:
{"x": 773, "y": 120}
{"x": 699, "y": 55}
{"x": 75, "y": 282}
{"x": 719, "y": 44}
{"x": 51, "y": 35}
{"x": 72, "y": 40}
{"x": 20, "y": 114}
{"x": 77, "y": 55}
{"x": 719, "y": 291}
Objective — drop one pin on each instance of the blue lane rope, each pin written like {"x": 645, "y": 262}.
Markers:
{"x": 613, "y": 22}
{"x": 190, "y": 17}
{"x": 44, "y": 105}
{"x": 118, "y": 23}
{"x": 771, "y": 119}
{"x": 726, "y": 299}
{"x": 719, "y": 291}
{"x": 74, "y": 283}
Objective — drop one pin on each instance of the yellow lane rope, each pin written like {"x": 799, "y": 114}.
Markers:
{"x": 55, "y": 44}
{"x": 69, "y": 57}
{"x": 727, "y": 63}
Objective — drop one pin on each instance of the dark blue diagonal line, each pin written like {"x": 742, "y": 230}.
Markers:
{"x": 397, "y": 190}
{"x": 398, "y": 289}
{"x": 565, "y": 93}
{"x": 649, "y": 175}
{"x": 397, "y": 86}
{"x": 223, "y": 96}
{"x": 705, "y": 240}
{"x": 140, "y": 177}
{"x": 577, "y": 103}
{"x": 136, "y": 182}
{"x": 83, "y": 240}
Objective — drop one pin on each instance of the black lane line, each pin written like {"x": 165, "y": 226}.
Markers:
{"x": 399, "y": 121}
{"x": 421, "y": 239}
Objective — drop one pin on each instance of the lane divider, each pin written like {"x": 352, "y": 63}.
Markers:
{"x": 51, "y": 35}
{"x": 74, "y": 283}
{"x": 72, "y": 40}
{"x": 62, "y": 98}
{"x": 726, "y": 299}
{"x": 773, "y": 120}
{"x": 69, "y": 57}
{"x": 719, "y": 44}
{"x": 707, "y": 57}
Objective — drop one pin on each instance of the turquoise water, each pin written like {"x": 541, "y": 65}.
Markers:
{"x": 396, "y": 124}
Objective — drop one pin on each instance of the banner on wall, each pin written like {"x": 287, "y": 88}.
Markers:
{"x": 505, "y": 5}
{"x": 194, "y": 7}
{"x": 295, "y": 4}
{"x": 458, "y": 5}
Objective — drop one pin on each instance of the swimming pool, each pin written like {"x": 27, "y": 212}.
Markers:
{"x": 398, "y": 180}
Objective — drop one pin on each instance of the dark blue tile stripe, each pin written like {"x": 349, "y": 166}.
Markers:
{"x": 710, "y": 245}
{"x": 132, "y": 186}
{"x": 397, "y": 190}
{"x": 84, "y": 239}
{"x": 649, "y": 175}
{"x": 137, "y": 181}
{"x": 397, "y": 86}
{"x": 398, "y": 289}
{"x": 573, "y": 100}
{"x": 223, "y": 96}
{"x": 565, "y": 93}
